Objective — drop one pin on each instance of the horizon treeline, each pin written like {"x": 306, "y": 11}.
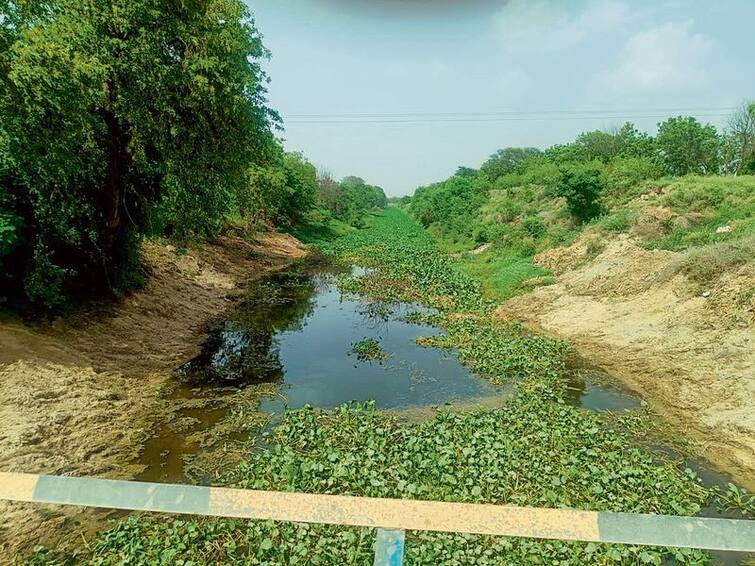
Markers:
{"x": 582, "y": 170}
{"x": 124, "y": 119}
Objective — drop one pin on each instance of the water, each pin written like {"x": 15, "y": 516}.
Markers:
{"x": 293, "y": 337}
{"x": 298, "y": 331}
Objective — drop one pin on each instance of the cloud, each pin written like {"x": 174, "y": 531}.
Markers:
{"x": 669, "y": 56}
{"x": 555, "y": 24}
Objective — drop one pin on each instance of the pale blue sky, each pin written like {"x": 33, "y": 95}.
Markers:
{"x": 410, "y": 58}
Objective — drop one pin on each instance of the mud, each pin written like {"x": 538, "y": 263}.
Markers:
{"x": 692, "y": 357}
{"x": 81, "y": 395}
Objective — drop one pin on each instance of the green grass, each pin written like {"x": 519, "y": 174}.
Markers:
{"x": 319, "y": 232}
{"x": 502, "y": 276}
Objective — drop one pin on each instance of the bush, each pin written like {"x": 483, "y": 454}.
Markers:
{"x": 582, "y": 186}
{"x": 625, "y": 173}
{"x": 534, "y": 226}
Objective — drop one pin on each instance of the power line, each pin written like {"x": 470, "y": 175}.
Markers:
{"x": 492, "y": 119}
{"x": 526, "y": 113}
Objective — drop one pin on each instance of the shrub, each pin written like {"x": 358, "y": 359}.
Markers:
{"x": 626, "y": 173}
{"x": 582, "y": 186}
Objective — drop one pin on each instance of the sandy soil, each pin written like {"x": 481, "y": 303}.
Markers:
{"x": 690, "y": 354}
{"x": 81, "y": 395}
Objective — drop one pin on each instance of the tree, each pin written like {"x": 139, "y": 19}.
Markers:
{"x": 463, "y": 171}
{"x": 350, "y": 199}
{"x": 581, "y": 186}
{"x": 740, "y": 140}
{"x": 603, "y": 146}
{"x": 119, "y": 117}
{"x": 505, "y": 161}
{"x": 686, "y": 146}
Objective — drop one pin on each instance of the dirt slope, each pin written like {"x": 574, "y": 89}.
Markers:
{"x": 690, "y": 354}
{"x": 80, "y": 396}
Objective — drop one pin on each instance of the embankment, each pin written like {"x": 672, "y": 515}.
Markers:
{"x": 81, "y": 395}
{"x": 689, "y": 351}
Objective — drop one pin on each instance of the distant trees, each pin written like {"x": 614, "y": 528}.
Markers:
{"x": 451, "y": 204}
{"x": 349, "y": 199}
{"x": 593, "y": 169}
{"x": 598, "y": 145}
{"x": 505, "y": 161}
{"x": 739, "y": 140}
{"x": 282, "y": 189}
{"x": 685, "y": 146}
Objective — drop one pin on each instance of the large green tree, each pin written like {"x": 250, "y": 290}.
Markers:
{"x": 505, "y": 161}
{"x": 685, "y": 146}
{"x": 118, "y": 117}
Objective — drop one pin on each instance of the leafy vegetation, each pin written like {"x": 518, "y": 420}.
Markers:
{"x": 522, "y": 201}
{"x": 368, "y": 349}
{"x": 581, "y": 187}
{"x": 536, "y": 450}
{"x": 125, "y": 119}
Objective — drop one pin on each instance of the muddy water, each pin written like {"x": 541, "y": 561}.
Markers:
{"x": 289, "y": 344}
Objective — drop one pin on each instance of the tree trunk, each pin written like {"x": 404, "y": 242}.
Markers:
{"x": 111, "y": 198}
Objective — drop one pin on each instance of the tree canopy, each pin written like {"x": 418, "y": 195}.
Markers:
{"x": 687, "y": 146}
{"x": 122, "y": 118}
{"x": 505, "y": 161}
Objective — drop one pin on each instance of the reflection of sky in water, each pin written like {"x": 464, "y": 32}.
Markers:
{"x": 319, "y": 370}
{"x": 297, "y": 329}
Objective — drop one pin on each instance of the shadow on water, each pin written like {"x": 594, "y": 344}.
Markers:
{"x": 294, "y": 333}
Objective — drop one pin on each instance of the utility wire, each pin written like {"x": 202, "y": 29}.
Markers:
{"x": 526, "y": 113}
{"x": 491, "y": 119}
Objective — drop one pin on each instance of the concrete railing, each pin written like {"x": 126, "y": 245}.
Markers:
{"x": 392, "y": 517}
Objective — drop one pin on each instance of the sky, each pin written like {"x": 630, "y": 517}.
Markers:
{"x": 401, "y": 92}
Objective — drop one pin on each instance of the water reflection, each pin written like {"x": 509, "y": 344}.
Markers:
{"x": 296, "y": 328}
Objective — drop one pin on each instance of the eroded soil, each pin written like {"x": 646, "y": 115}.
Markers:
{"x": 81, "y": 395}
{"x": 689, "y": 353}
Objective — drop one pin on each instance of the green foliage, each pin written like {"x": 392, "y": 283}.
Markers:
{"x": 505, "y": 161}
{"x": 450, "y": 205}
{"x": 738, "y": 143}
{"x": 625, "y": 174}
{"x": 604, "y": 146}
{"x": 368, "y": 349}
{"x": 582, "y": 187}
{"x": 349, "y": 200}
{"x": 124, "y": 118}
{"x": 686, "y": 146}
{"x": 10, "y": 226}
{"x": 283, "y": 190}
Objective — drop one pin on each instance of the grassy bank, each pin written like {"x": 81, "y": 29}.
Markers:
{"x": 535, "y": 451}
{"x": 709, "y": 220}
